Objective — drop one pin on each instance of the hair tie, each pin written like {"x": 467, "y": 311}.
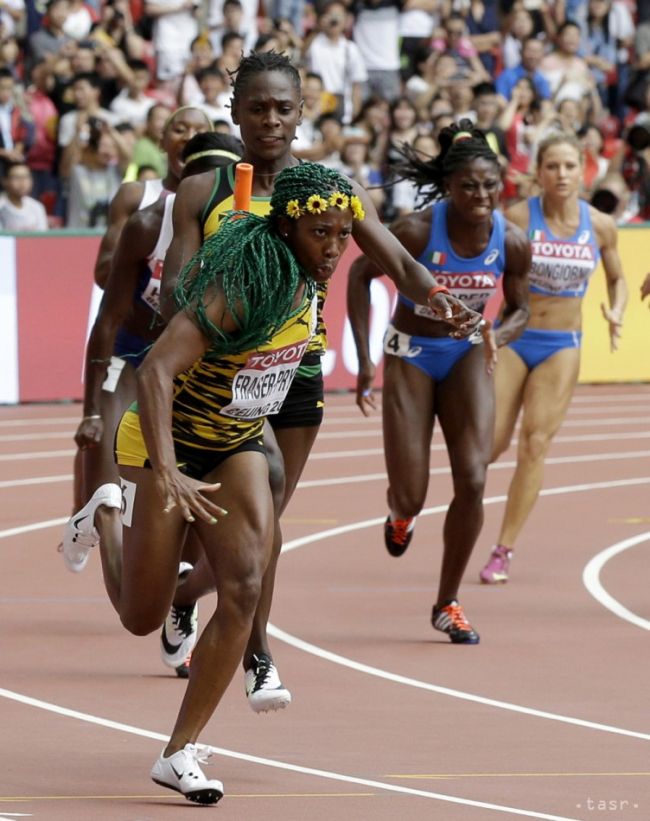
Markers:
{"x": 462, "y": 135}
{"x": 213, "y": 152}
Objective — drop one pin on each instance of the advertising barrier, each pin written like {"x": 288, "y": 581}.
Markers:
{"x": 48, "y": 302}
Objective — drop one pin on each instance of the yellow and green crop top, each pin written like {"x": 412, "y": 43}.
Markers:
{"x": 218, "y": 205}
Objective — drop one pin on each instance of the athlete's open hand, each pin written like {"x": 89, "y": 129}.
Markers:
{"x": 615, "y": 325}
{"x": 365, "y": 397}
{"x": 489, "y": 344}
{"x": 188, "y": 495}
{"x": 89, "y": 433}
{"x": 456, "y": 313}
{"x": 645, "y": 288}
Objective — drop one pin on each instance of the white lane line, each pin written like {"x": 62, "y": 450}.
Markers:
{"x": 280, "y": 765}
{"x": 320, "y": 652}
{"x": 53, "y": 420}
{"x": 40, "y": 454}
{"x": 591, "y": 580}
{"x": 442, "y": 471}
{"x": 36, "y": 480}
{"x": 31, "y": 437}
{"x": 640, "y": 396}
{"x": 17, "y": 531}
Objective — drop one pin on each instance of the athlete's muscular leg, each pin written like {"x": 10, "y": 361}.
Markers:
{"x": 465, "y": 408}
{"x": 99, "y": 468}
{"x": 408, "y": 417}
{"x": 547, "y": 395}
{"x": 238, "y": 549}
{"x": 510, "y": 377}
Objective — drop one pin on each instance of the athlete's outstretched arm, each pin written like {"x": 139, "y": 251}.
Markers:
{"x": 515, "y": 286}
{"x": 191, "y": 197}
{"x": 124, "y": 203}
{"x": 136, "y": 242}
{"x": 362, "y": 272}
{"x": 176, "y": 349}
{"x": 410, "y": 277}
{"x": 607, "y": 234}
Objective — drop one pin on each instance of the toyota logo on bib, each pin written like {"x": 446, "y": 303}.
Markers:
{"x": 489, "y": 259}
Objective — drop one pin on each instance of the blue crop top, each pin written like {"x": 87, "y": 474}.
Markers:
{"x": 561, "y": 267}
{"x": 472, "y": 280}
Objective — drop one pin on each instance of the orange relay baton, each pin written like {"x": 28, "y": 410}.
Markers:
{"x": 243, "y": 186}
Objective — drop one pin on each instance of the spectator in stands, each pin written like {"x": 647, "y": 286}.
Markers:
{"x": 488, "y": 105}
{"x": 50, "y": 37}
{"x": 403, "y": 128}
{"x": 16, "y": 129}
{"x": 86, "y": 89}
{"x": 233, "y": 23}
{"x": 41, "y": 156}
{"x": 457, "y": 43}
{"x": 115, "y": 30}
{"x": 132, "y": 103}
{"x": 80, "y": 19}
{"x": 376, "y": 34}
{"x": 19, "y": 211}
{"x": 481, "y": 19}
{"x": 9, "y": 54}
{"x": 12, "y": 14}
{"x": 337, "y": 59}
{"x": 215, "y": 96}
{"x": 250, "y": 10}
{"x": 291, "y": 12}
{"x": 518, "y": 123}
{"x": 175, "y": 28}
{"x": 532, "y": 53}
{"x": 520, "y": 27}
{"x": 95, "y": 177}
{"x": 374, "y": 119}
{"x": 312, "y": 108}
{"x": 232, "y": 47}
{"x": 595, "y": 164}
{"x": 417, "y": 21}
{"x": 147, "y": 147}
{"x": 563, "y": 67}
{"x": 356, "y": 164}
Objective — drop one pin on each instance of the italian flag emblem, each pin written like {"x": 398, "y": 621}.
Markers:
{"x": 438, "y": 258}
{"x": 537, "y": 236}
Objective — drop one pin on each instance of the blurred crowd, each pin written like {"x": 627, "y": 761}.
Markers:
{"x": 86, "y": 88}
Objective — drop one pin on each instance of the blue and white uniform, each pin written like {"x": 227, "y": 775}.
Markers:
{"x": 560, "y": 268}
{"x": 472, "y": 280}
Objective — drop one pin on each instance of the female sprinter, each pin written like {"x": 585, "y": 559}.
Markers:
{"x": 224, "y": 362}
{"x": 538, "y": 372}
{"x": 467, "y": 245}
{"x": 127, "y": 324}
{"x": 267, "y": 106}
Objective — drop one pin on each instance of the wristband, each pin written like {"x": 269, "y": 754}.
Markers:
{"x": 437, "y": 289}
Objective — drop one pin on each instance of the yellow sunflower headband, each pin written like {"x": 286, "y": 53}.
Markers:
{"x": 319, "y": 203}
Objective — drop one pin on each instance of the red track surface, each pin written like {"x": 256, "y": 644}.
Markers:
{"x": 547, "y": 717}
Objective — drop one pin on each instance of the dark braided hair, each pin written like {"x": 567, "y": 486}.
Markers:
{"x": 258, "y": 62}
{"x": 460, "y": 144}
{"x": 256, "y": 270}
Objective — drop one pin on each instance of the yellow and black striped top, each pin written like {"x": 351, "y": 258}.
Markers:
{"x": 218, "y": 205}
{"x": 219, "y": 404}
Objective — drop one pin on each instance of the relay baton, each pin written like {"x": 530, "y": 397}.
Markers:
{"x": 243, "y": 186}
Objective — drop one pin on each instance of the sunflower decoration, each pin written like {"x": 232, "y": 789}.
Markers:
{"x": 357, "y": 208}
{"x": 317, "y": 204}
{"x": 293, "y": 209}
{"x": 339, "y": 200}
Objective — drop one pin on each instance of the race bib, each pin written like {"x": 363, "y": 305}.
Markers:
{"x": 115, "y": 368}
{"x": 261, "y": 386}
{"x": 151, "y": 294}
{"x": 473, "y": 289}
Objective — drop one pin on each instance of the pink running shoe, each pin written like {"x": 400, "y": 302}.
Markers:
{"x": 496, "y": 570}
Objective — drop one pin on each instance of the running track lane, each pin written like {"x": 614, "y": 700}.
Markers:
{"x": 414, "y": 725}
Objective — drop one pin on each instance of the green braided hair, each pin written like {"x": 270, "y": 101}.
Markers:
{"x": 254, "y": 267}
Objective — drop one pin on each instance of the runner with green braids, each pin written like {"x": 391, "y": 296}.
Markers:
{"x": 191, "y": 452}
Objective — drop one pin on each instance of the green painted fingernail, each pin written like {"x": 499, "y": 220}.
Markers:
{"x": 190, "y": 518}
{"x": 213, "y": 521}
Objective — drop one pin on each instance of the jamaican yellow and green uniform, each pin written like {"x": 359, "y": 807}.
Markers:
{"x": 304, "y": 404}
{"x": 221, "y": 401}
